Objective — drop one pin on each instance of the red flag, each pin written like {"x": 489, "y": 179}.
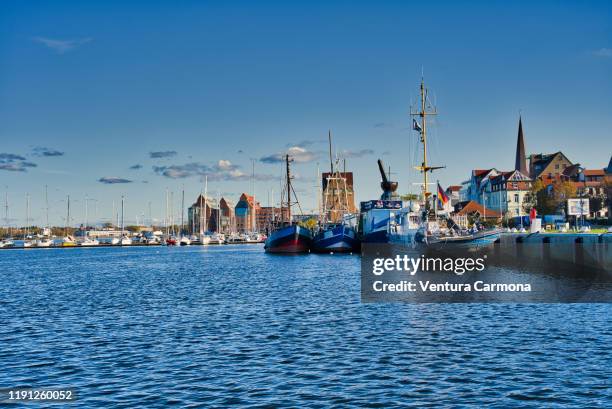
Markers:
{"x": 532, "y": 213}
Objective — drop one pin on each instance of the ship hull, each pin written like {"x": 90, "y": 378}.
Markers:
{"x": 290, "y": 239}
{"x": 339, "y": 239}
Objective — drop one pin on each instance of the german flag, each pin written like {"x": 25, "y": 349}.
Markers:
{"x": 442, "y": 198}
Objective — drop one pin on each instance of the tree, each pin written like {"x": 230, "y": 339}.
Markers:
{"x": 538, "y": 197}
{"x": 309, "y": 223}
{"x": 410, "y": 196}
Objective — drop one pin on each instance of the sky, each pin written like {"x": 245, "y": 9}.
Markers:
{"x": 100, "y": 100}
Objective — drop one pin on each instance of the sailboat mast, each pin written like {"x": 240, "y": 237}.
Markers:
{"x": 205, "y": 203}
{"x": 6, "y": 213}
{"x": 331, "y": 161}
{"x": 122, "y": 220}
{"x": 67, "y": 214}
{"x": 200, "y": 221}
{"x": 288, "y": 189}
{"x": 253, "y": 217}
{"x": 26, "y": 230}
{"x": 183, "y": 212}
{"x": 86, "y": 211}
{"x": 166, "y": 216}
{"x": 47, "y": 206}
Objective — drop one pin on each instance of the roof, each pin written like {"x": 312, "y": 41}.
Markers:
{"x": 228, "y": 202}
{"x": 594, "y": 172}
{"x": 474, "y": 207}
{"x": 480, "y": 172}
{"x": 572, "y": 170}
{"x": 543, "y": 159}
{"x": 509, "y": 176}
{"x": 609, "y": 168}
{"x": 453, "y": 188}
{"x": 200, "y": 202}
{"x": 249, "y": 199}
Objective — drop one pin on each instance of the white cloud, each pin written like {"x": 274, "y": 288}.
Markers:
{"x": 62, "y": 46}
{"x": 603, "y": 52}
{"x": 299, "y": 154}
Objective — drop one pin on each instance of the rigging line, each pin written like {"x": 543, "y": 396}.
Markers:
{"x": 297, "y": 201}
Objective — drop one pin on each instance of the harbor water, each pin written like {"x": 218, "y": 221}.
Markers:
{"x": 231, "y": 325}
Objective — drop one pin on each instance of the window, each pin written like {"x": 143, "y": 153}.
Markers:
{"x": 516, "y": 198}
{"x": 557, "y": 166}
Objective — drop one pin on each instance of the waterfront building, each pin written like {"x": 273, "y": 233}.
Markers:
{"x": 608, "y": 188}
{"x": 270, "y": 218}
{"x": 204, "y": 212}
{"x": 245, "y": 212}
{"x": 506, "y": 192}
{"x": 473, "y": 209}
{"x": 227, "y": 219}
{"x": 453, "y": 192}
{"x": 549, "y": 166}
{"x": 471, "y": 189}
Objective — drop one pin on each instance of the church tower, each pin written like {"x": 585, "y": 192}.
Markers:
{"x": 521, "y": 159}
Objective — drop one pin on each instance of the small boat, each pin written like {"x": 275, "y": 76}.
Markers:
{"x": 216, "y": 238}
{"x": 234, "y": 238}
{"x": 7, "y": 243}
{"x": 185, "y": 241}
{"x": 88, "y": 242}
{"x": 125, "y": 241}
{"x": 255, "y": 238}
{"x": 68, "y": 241}
{"x": 43, "y": 242}
{"x": 171, "y": 241}
{"x": 289, "y": 238}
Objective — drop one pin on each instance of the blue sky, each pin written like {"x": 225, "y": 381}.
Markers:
{"x": 160, "y": 93}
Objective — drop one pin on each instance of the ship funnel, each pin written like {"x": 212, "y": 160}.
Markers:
{"x": 386, "y": 185}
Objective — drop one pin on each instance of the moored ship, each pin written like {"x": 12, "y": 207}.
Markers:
{"x": 337, "y": 232}
{"x": 289, "y": 237}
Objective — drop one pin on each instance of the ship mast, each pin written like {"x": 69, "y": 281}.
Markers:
{"x": 422, "y": 129}
{"x": 288, "y": 190}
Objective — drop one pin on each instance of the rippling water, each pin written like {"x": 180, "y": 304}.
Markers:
{"x": 230, "y": 325}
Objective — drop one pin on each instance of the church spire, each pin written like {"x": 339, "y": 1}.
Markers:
{"x": 521, "y": 158}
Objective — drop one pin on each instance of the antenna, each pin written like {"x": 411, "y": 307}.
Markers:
{"x": 331, "y": 161}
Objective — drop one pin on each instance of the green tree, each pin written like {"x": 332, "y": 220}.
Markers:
{"x": 309, "y": 223}
{"x": 410, "y": 196}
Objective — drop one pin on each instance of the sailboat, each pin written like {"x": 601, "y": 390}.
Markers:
{"x": 45, "y": 240}
{"x": 68, "y": 240}
{"x": 88, "y": 241}
{"x": 434, "y": 232}
{"x": 125, "y": 239}
{"x": 184, "y": 241}
{"x": 27, "y": 242}
{"x": 289, "y": 237}
{"x": 337, "y": 233}
{"x": 8, "y": 241}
